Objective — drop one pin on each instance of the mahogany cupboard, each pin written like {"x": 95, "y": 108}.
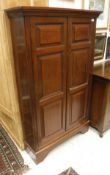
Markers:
{"x": 53, "y": 55}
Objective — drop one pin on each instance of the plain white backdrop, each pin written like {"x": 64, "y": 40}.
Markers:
{"x": 66, "y": 3}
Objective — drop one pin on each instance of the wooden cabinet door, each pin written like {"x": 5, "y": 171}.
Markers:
{"x": 79, "y": 68}
{"x": 49, "y": 61}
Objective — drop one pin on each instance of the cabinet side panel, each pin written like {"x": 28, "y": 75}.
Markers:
{"x": 24, "y": 78}
{"x": 107, "y": 108}
{"x": 98, "y": 102}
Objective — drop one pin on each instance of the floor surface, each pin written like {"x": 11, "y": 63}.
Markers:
{"x": 87, "y": 153}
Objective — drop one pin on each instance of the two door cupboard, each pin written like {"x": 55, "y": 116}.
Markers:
{"x": 53, "y": 56}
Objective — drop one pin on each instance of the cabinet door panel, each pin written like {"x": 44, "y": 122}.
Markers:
{"x": 77, "y": 106}
{"x": 49, "y": 112}
{"x": 51, "y": 73}
{"x": 49, "y": 60}
{"x": 50, "y": 34}
{"x": 79, "y": 68}
{"x": 81, "y": 32}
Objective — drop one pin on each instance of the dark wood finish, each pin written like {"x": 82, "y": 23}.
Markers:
{"x": 49, "y": 59}
{"x": 100, "y": 104}
{"x": 78, "y": 69}
{"x": 53, "y": 56}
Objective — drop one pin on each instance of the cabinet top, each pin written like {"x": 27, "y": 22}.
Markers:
{"x": 102, "y": 70}
{"x": 29, "y": 10}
